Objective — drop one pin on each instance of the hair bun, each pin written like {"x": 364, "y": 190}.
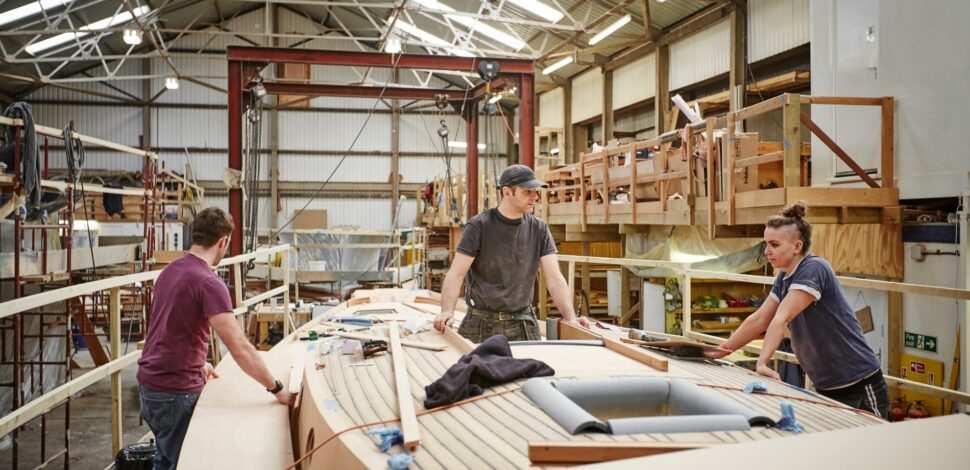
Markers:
{"x": 796, "y": 210}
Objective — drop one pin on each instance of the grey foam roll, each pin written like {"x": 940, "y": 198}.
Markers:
{"x": 567, "y": 413}
{"x": 675, "y": 424}
{"x": 552, "y": 329}
{"x": 688, "y": 398}
{"x": 616, "y": 397}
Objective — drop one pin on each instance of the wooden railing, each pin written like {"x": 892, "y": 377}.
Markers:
{"x": 44, "y": 403}
{"x": 685, "y": 273}
{"x": 597, "y": 175}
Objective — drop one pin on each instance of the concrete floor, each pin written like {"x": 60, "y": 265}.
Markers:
{"x": 90, "y": 425}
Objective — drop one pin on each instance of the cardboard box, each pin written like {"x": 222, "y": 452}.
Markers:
{"x": 310, "y": 219}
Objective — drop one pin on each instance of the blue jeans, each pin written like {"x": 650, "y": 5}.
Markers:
{"x": 167, "y": 415}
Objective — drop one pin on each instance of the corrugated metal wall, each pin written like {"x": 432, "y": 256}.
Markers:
{"x": 635, "y": 82}
{"x": 551, "y": 108}
{"x": 775, "y": 26}
{"x": 701, "y": 55}
{"x": 587, "y": 95}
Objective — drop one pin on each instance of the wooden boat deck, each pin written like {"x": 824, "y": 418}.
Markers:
{"x": 237, "y": 425}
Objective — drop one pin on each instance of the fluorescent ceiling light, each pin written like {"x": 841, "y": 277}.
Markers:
{"x": 28, "y": 10}
{"x": 495, "y": 99}
{"x": 464, "y": 145}
{"x": 132, "y": 36}
{"x": 558, "y": 65}
{"x": 540, "y": 9}
{"x": 429, "y": 38}
{"x": 610, "y": 29}
{"x": 475, "y": 25}
{"x": 115, "y": 20}
{"x": 393, "y": 46}
{"x": 172, "y": 83}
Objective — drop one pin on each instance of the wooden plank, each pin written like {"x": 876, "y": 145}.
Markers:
{"x": 887, "y": 143}
{"x": 582, "y": 192}
{"x": 114, "y": 319}
{"x": 49, "y": 400}
{"x": 606, "y": 179}
{"x": 765, "y": 106}
{"x": 792, "y": 140}
{"x": 840, "y": 197}
{"x": 405, "y": 402}
{"x": 760, "y": 159}
{"x": 762, "y": 198}
{"x": 731, "y": 154}
{"x": 574, "y": 453}
{"x": 632, "y": 190}
{"x": 691, "y": 184}
{"x": 711, "y": 181}
{"x": 841, "y": 100}
{"x": 637, "y": 354}
{"x": 572, "y": 331}
{"x": 404, "y": 342}
{"x": 807, "y": 121}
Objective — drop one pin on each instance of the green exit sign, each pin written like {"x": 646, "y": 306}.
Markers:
{"x": 921, "y": 342}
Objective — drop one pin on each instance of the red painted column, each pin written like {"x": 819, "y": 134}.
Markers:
{"x": 471, "y": 157}
{"x": 235, "y": 153}
{"x": 526, "y": 121}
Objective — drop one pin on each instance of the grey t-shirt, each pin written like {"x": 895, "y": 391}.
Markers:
{"x": 506, "y": 253}
{"x": 826, "y": 337}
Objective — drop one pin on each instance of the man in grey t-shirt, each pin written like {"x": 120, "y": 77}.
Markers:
{"x": 499, "y": 256}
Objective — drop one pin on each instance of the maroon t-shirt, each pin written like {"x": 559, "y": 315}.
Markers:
{"x": 186, "y": 293}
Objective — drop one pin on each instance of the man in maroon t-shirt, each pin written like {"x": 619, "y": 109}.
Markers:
{"x": 188, "y": 299}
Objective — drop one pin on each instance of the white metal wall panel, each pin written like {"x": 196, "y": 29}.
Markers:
{"x": 366, "y": 213}
{"x": 587, "y": 95}
{"x": 206, "y": 166}
{"x": 635, "y": 82}
{"x": 191, "y": 128}
{"x": 319, "y": 168}
{"x": 551, "y": 108}
{"x": 426, "y": 169}
{"x": 116, "y": 124}
{"x": 775, "y": 26}
{"x": 419, "y": 132}
{"x": 701, "y": 55}
{"x": 334, "y": 131}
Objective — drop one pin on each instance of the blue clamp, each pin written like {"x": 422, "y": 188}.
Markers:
{"x": 400, "y": 461}
{"x": 389, "y": 437}
{"x": 787, "y": 421}
{"x": 754, "y": 386}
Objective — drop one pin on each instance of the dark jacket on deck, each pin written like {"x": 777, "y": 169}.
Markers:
{"x": 491, "y": 363}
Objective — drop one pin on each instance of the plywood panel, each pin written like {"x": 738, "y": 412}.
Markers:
{"x": 869, "y": 249}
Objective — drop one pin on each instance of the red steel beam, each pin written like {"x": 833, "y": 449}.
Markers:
{"x": 235, "y": 154}
{"x": 405, "y": 93}
{"x": 471, "y": 158}
{"x": 526, "y": 120}
{"x": 370, "y": 59}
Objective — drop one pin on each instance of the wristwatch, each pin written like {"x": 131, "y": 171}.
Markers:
{"x": 276, "y": 389}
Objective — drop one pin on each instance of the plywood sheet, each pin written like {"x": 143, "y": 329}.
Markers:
{"x": 867, "y": 249}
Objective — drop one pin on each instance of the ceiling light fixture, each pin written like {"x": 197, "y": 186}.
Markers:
{"x": 29, "y": 10}
{"x": 475, "y": 25}
{"x": 495, "y": 99}
{"x": 172, "y": 83}
{"x": 540, "y": 9}
{"x": 610, "y": 29}
{"x": 558, "y": 65}
{"x": 87, "y": 30}
{"x": 393, "y": 46}
{"x": 132, "y": 36}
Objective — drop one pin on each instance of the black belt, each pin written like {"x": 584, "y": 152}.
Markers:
{"x": 520, "y": 314}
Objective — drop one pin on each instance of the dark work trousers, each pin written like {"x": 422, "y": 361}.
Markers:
{"x": 869, "y": 394}
{"x": 479, "y": 325}
{"x": 167, "y": 415}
